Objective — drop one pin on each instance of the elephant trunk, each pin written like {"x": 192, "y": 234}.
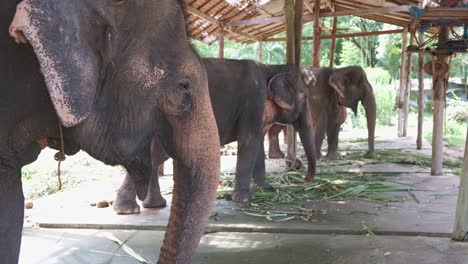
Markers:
{"x": 371, "y": 109}
{"x": 196, "y": 175}
{"x": 305, "y": 128}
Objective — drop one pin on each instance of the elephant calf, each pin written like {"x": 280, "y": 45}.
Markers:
{"x": 331, "y": 91}
{"x": 247, "y": 98}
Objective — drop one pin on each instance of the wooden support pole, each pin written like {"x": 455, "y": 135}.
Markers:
{"x": 406, "y": 102}
{"x": 401, "y": 96}
{"x": 298, "y": 22}
{"x": 221, "y": 42}
{"x": 294, "y": 20}
{"x": 260, "y": 51}
{"x": 439, "y": 96}
{"x": 421, "y": 98}
{"x": 460, "y": 232}
{"x": 290, "y": 31}
{"x": 333, "y": 42}
{"x": 317, "y": 35}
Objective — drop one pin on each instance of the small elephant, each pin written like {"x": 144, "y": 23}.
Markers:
{"x": 329, "y": 94}
{"x": 114, "y": 80}
{"x": 247, "y": 98}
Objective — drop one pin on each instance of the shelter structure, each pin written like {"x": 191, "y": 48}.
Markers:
{"x": 249, "y": 21}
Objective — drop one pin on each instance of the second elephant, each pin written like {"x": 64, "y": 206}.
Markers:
{"x": 331, "y": 91}
{"x": 247, "y": 98}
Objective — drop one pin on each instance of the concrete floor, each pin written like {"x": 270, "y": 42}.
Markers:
{"x": 416, "y": 231}
{"x": 69, "y": 246}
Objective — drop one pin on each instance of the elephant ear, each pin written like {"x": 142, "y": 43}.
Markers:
{"x": 70, "y": 67}
{"x": 280, "y": 91}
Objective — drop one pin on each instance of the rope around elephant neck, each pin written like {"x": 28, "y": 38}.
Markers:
{"x": 60, "y": 156}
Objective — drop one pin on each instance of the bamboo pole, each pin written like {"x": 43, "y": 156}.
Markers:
{"x": 260, "y": 51}
{"x": 221, "y": 42}
{"x": 460, "y": 232}
{"x": 333, "y": 42}
{"x": 439, "y": 88}
{"x": 401, "y": 96}
{"x": 406, "y": 102}
{"x": 421, "y": 98}
{"x": 317, "y": 35}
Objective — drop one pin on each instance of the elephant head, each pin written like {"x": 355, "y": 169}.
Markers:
{"x": 289, "y": 94}
{"x": 120, "y": 73}
{"x": 351, "y": 87}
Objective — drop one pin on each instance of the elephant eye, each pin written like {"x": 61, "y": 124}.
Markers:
{"x": 116, "y": 2}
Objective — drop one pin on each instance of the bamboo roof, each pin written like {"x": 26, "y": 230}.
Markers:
{"x": 248, "y": 21}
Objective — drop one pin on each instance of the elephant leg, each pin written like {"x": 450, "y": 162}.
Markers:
{"x": 154, "y": 199}
{"x": 161, "y": 170}
{"x": 259, "y": 169}
{"x": 333, "y": 130}
{"x": 125, "y": 200}
{"x": 320, "y": 135}
{"x": 246, "y": 157}
{"x": 11, "y": 215}
{"x": 274, "y": 151}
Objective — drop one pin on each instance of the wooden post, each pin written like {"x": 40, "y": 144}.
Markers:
{"x": 221, "y": 42}
{"x": 401, "y": 96}
{"x": 294, "y": 14}
{"x": 317, "y": 35}
{"x": 439, "y": 89}
{"x": 421, "y": 95}
{"x": 290, "y": 39}
{"x": 406, "y": 102}
{"x": 333, "y": 42}
{"x": 460, "y": 232}
{"x": 260, "y": 51}
{"x": 298, "y": 22}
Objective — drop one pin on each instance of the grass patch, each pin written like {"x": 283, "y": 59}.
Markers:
{"x": 290, "y": 188}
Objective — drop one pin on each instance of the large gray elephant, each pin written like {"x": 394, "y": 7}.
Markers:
{"x": 247, "y": 98}
{"x": 115, "y": 74}
{"x": 331, "y": 91}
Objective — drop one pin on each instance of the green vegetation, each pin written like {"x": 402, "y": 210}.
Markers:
{"x": 290, "y": 188}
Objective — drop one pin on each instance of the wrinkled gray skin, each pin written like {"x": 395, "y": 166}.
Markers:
{"x": 119, "y": 74}
{"x": 333, "y": 90}
{"x": 247, "y": 99}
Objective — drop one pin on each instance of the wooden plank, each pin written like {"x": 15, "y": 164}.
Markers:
{"x": 439, "y": 88}
{"x": 421, "y": 97}
{"x": 460, "y": 232}
{"x": 358, "y": 12}
{"x": 401, "y": 96}
{"x": 281, "y": 19}
{"x": 351, "y": 35}
{"x": 333, "y": 44}
{"x": 202, "y": 15}
{"x": 317, "y": 35}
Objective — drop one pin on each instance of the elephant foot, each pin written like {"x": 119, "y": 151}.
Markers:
{"x": 297, "y": 165}
{"x": 242, "y": 196}
{"x": 309, "y": 178}
{"x": 275, "y": 154}
{"x": 156, "y": 202}
{"x": 263, "y": 184}
{"x": 333, "y": 156}
{"x": 126, "y": 207}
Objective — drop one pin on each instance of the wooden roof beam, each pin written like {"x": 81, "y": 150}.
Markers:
{"x": 212, "y": 20}
{"x": 368, "y": 11}
{"x": 350, "y": 35}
